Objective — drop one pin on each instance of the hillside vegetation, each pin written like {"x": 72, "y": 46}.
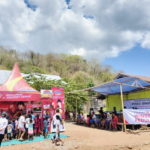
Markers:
{"x": 77, "y": 72}
{"x": 66, "y": 66}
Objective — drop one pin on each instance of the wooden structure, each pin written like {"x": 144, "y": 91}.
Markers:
{"x": 119, "y": 86}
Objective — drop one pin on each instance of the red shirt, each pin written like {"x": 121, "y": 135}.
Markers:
{"x": 115, "y": 118}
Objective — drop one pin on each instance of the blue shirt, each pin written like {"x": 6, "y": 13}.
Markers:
{"x": 33, "y": 117}
{"x": 97, "y": 117}
{"x": 30, "y": 126}
{"x": 47, "y": 116}
{"x": 79, "y": 117}
{"x": 46, "y": 123}
{"x": 13, "y": 124}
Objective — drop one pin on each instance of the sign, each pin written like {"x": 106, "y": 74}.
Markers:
{"x": 137, "y": 103}
{"x": 58, "y": 103}
{"x": 46, "y": 93}
{"x": 17, "y": 96}
{"x": 34, "y": 106}
{"x": 137, "y": 116}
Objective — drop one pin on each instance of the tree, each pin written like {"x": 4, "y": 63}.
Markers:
{"x": 39, "y": 82}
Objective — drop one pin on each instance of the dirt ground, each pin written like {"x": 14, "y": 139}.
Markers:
{"x": 85, "y": 138}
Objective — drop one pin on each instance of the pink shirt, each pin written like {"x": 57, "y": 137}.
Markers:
{"x": 37, "y": 122}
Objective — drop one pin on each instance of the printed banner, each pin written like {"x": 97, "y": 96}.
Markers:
{"x": 137, "y": 116}
{"x": 16, "y": 96}
{"x": 14, "y": 109}
{"x": 34, "y": 106}
{"x": 58, "y": 103}
{"x": 46, "y": 93}
{"x": 137, "y": 103}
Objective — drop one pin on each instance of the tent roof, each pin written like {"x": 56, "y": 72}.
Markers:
{"x": 16, "y": 83}
{"x": 129, "y": 84}
{"x": 123, "y": 75}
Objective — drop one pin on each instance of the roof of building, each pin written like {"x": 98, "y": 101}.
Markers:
{"x": 4, "y": 74}
{"x": 123, "y": 75}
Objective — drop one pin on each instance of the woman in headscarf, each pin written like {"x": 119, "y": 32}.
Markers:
{"x": 108, "y": 120}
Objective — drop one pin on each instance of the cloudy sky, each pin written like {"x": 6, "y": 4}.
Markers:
{"x": 117, "y": 32}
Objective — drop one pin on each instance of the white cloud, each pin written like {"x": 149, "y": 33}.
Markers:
{"x": 146, "y": 41}
{"x": 113, "y": 26}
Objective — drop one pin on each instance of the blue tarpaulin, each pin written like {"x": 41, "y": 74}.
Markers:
{"x": 128, "y": 84}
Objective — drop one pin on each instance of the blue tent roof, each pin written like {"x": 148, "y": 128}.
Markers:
{"x": 114, "y": 86}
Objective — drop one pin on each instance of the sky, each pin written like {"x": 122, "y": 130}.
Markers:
{"x": 115, "y": 32}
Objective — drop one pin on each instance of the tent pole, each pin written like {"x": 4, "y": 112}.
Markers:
{"x": 122, "y": 106}
{"x": 76, "y": 107}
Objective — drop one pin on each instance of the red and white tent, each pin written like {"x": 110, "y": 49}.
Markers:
{"x": 16, "y": 94}
{"x": 16, "y": 88}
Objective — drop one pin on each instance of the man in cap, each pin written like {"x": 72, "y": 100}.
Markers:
{"x": 3, "y": 125}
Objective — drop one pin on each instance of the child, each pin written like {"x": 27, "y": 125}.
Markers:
{"x": 13, "y": 129}
{"x": 57, "y": 130}
{"x": 16, "y": 128}
{"x": 97, "y": 120}
{"x": 9, "y": 131}
{"x": 46, "y": 125}
{"x": 78, "y": 118}
{"x": 92, "y": 120}
{"x": 30, "y": 129}
{"x": 37, "y": 125}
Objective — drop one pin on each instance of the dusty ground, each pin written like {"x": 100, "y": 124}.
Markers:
{"x": 84, "y": 138}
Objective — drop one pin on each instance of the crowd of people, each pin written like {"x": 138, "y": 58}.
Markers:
{"x": 102, "y": 120}
{"x": 26, "y": 126}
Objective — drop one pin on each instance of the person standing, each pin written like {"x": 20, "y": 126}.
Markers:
{"x": 30, "y": 129}
{"x": 26, "y": 126}
{"x": 74, "y": 113}
{"x": 54, "y": 123}
{"x": 21, "y": 124}
{"x": 37, "y": 125}
{"x": 3, "y": 126}
{"x": 101, "y": 111}
{"x": 57, "y": 138}
{"x": 33, "y": 117}
{"x": 46, "y": 126}
{"x": 114, "y": 111}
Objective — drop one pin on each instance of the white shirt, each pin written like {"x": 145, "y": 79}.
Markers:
{"x": 94, "y": 117}
{"x": 57, "y": 124}
{"x": 3, "y": 125}
{"x": 27, "y": 122}
{"x": 21, "y": 120}
{"x": 54, "y": 117}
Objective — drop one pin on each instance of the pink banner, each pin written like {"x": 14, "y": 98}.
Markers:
{"x": 58, "y": 103}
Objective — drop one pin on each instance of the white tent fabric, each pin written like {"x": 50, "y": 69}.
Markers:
{"x": 4, "y": 74}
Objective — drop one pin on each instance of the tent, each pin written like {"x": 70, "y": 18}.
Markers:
{"x": 15, "y": 93}
{"x": 119, "y": 86}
